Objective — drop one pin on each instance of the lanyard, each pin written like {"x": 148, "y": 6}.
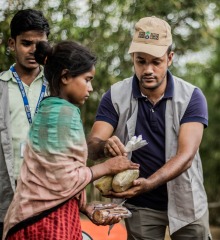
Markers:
{"x": 24, "y": 96}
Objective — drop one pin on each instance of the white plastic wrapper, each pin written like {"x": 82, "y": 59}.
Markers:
{"x": 135, "y": 143}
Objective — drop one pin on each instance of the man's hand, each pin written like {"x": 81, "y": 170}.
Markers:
{"x": 139, "y": 186}
{"x": 114, "y": 147}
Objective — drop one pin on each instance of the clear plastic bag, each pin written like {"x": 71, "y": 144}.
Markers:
{"x": 135, "y": 143}
{"x": 105, "y": 211}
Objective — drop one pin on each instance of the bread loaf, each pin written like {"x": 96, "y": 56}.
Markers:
{"x": 104, "y": 184}
{"x": 123, "y": 180}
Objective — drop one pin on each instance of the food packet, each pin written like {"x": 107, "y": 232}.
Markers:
{"x": 104, "y": 211}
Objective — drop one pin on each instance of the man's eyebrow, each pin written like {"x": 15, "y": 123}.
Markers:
{"x": 142, "y": 58}
{"x": 26, "y": 41}
{"x": 139, "y": 57}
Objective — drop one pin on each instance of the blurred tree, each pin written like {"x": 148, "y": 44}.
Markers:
{"x": 106, "y": 28}
{"x": 207, "y": 76}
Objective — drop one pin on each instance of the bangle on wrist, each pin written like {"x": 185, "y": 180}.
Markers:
{"x": 91, "y": 174}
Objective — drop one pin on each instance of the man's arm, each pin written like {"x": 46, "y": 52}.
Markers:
{"x": 190, "y": 137}
{"x": 102, "y": 144}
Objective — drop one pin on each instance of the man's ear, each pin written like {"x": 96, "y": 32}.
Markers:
{"x": 64, "y": 76}
{"x": 170, "y": 58}
{"x": 11, "y": 44}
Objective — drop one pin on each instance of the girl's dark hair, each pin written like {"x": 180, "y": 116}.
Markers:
{"x": 64, "y": 55}
{"x": 28, "y": 20}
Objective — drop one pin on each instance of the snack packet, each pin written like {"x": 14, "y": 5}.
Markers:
{"x": 104, "y": 211}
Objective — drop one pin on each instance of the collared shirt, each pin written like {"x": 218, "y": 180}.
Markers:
{"x": 151, "y": 125}
{"x": 18, "y": 118}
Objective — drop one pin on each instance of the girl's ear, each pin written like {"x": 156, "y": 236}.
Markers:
{"x": 64, "y": 76}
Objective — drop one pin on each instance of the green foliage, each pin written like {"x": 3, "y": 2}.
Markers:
{"x": 106, "y": 28}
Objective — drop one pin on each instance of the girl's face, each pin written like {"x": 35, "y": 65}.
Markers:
{"x": 76, "y": 90}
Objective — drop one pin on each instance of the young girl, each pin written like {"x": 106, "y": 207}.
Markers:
{"x": 50, "y": 190}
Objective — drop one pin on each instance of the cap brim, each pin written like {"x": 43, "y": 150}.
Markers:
{"x": 154, "y": 50}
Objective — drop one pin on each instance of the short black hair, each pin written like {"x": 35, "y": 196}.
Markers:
{"x": 28, "y": 20}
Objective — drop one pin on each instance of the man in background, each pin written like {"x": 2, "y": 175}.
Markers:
{"x": 22, "y": 87}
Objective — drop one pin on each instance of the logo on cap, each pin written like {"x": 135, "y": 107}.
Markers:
{"x": 148, "y": 35}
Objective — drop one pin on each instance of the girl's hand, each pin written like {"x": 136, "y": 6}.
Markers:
{"x": 119, "y": 164}
{"x": 89, "y": 209}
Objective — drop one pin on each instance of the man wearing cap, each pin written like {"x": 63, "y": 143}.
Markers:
{"x": 170, "y": 114}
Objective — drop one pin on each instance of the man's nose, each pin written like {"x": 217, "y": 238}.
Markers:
{"x": 148, "y": 68}
{"x": 33, "y": 48}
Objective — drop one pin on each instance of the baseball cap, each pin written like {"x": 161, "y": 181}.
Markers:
{"x": 152, "y": 35}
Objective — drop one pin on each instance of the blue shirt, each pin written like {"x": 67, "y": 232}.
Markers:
{"x": 151, "y": 125}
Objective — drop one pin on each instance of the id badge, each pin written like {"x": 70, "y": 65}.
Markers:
{"x": 22, "y": 146}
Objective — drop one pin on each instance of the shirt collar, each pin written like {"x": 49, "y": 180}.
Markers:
{"x": 168, "y": 92}
{"x": 7, "y": 75}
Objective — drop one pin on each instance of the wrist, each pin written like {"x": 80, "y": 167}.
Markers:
{"x": 99, "y": 170}
{"x": 92, "y": 177}
{"x": 88, "y": 210}
{"x": 96, "y": 148}
{"x": 105, "y": 149}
